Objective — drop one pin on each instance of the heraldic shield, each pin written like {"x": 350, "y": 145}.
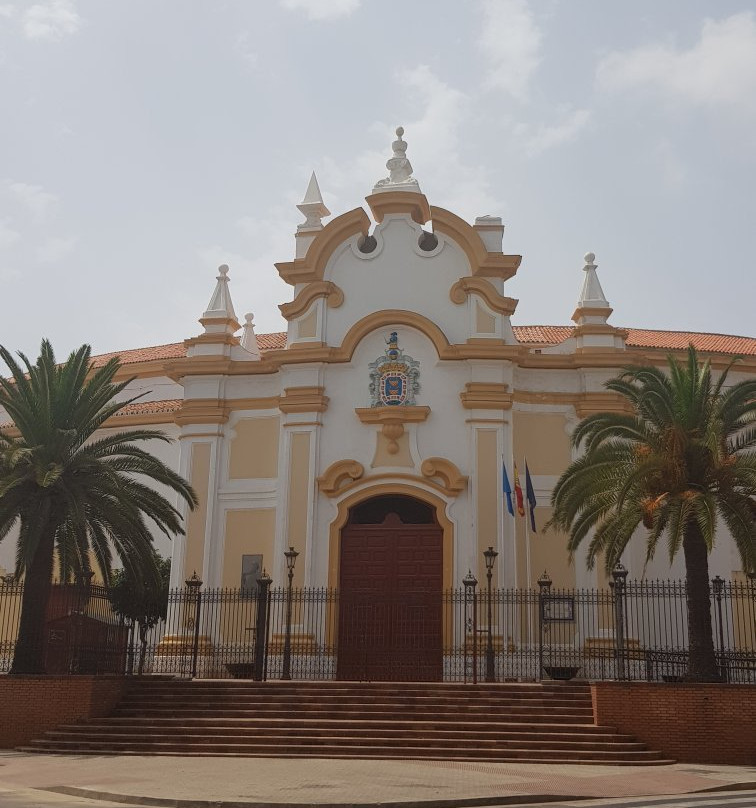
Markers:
{"x": 394, "y": 377}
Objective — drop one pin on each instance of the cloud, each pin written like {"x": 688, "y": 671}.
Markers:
{"x": 244, "y": 51}
{"x": 8, "y": 235}
{"x": 51, "y": 21}
{"x": 717, "y": 71}
{"x": 322, "y": 9}
{"x": 53, "y": 249}
{"x": 511, "y": 42}
{"x": 6, "y": 10}
{"x": 548, "y": 136}
{"x": 34, "y": 198}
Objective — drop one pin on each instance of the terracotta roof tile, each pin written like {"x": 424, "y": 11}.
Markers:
{"x": 526, "y": 334}
{"x": 150, "y": 407}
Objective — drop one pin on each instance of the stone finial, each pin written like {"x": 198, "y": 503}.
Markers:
{"x": 400, "y": 169}
{"x": 249, "y": 338}
{"x": 219, "y": 317}
{"x": 591, "y": 295}
{"x": 312, "y": 207}
{"x": 591, "y": 316}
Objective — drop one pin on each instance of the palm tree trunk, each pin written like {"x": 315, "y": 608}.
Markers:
{"x": 29, "y": 653}
{"x": 702, "y": 662}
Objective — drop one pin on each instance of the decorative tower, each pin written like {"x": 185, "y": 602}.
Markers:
{"x": 592, "y": 331}
{"x": 219, "y": 322}
{"x": 249, "y": 338}
{"x": 314, "y": 210}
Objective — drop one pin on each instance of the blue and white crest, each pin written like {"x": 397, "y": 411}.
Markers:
{"x": 394, "y": 377}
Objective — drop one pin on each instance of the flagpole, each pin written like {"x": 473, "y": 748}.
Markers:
{"x": 514, "y": 533}
{"x": 527, "y": 534}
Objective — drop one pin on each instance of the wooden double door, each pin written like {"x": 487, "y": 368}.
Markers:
{"x": 390, "y": 597}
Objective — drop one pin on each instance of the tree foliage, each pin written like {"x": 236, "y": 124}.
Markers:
{"x": 76, "y": 494}
{"x": 682, "y": 459}
{"x": 140, "y": 602}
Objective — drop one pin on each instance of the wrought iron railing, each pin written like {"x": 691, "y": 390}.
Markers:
{"x": 633, "y": 630}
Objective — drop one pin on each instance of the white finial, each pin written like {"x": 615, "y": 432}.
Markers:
{"x": 312, "y": 207}
{"x": 400, "y": 169}
{"x": 589, "y": 259}
{"x": 591, "y": 295}
{"x": 220, "y": 307}
{"x": 249, "y": 338}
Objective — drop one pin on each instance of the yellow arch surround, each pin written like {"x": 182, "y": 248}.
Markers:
{"x": 378, "y": 319}
{"x": 382, "y": 489}
{"x": 312, "y": 266}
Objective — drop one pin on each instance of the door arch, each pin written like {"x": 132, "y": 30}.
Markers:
{"x": 390, "y": 591}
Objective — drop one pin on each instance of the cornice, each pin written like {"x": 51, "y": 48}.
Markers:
{"x": 465, "y": 287}
{"x": 303, "y": 399}
{"x": 486, "y": 396}
{"x": 312, "y": 266}
{"x": 387, "y": 202}
{"x": 202, "y": 411}
{"x": 314, "y": 290}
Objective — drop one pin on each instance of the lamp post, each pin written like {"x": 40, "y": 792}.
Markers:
{"x": 619, "y": 574}
{"x": 193, "y": 584}
{"x": 291, "y": 559}
{"x": 471, "y": 628}
{"x": 490, "y": 557}
{"x": 717, "y": 585}
{"x": 544, "y": 588}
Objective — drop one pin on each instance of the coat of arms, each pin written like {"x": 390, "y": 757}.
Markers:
{"x": 394, "y": 377}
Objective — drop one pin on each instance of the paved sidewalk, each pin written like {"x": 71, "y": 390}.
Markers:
{"x": 240, "y": 781}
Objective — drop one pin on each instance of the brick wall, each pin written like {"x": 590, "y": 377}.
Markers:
{"x": 31, "y": 705}
{"x": 692, "y": 723}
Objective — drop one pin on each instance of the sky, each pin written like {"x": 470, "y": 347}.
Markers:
{"x": 143, "y": 143}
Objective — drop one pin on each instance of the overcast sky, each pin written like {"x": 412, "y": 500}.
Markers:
{"x": 145, "y": 142}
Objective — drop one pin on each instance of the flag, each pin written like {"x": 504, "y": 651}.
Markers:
{"x": 507, "y": 489}
{"x": 518, "y": 492}
{"x": 530, "y": 496}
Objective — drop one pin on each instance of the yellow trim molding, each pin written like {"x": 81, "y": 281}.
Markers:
{"x": 331, "y": 480}
{"x": 451, "y": 477}
{"x": 303, "y": 399}
{"x": 486, "y": 396}
{"x": 483, "y": 288}
{"x": 312, "y": 266}
{"x": 392, "y": 421}
{"x": 399, "y": 202}
{"x": 482, "y": 262}
{"x": 327, "y": 289}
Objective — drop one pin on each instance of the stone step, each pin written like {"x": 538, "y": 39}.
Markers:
{"x": 327, "y": 749}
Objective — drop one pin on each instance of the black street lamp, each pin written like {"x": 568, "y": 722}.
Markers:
{"x": 490, "y": 557}
{"x": 471, "y": 623}
{"x": 193, "y": 584}
{"x": 291, "y": 559}
{"x": 544, "y": 589}
{"x": 619, "y": 575}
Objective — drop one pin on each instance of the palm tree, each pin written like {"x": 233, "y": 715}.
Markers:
{"x": 683, "y": 459}
{"x": 71, "y": 491}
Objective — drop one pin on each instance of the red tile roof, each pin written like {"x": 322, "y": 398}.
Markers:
{"x": 167, "y": 405}
{"x": 526, "y": 334}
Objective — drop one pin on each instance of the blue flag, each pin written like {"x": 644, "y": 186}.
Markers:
{"x": 530, "y": 496}
{"x": 507, "y": 489}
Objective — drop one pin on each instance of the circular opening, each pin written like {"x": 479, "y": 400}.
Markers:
{"x": 367, "y": 244}
{"x": 427, "y": 241}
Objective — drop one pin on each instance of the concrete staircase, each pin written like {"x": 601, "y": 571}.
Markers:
{"x": 535, "y": 723}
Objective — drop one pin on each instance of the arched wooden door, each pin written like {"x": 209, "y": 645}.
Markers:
{"x": 390, "y": 592}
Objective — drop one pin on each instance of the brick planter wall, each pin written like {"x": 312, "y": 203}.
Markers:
{"x": 31, "y": 705}
{"x": 692, "y": 723}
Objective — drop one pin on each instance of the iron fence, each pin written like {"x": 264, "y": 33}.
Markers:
{"x": 633, "y": 630}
